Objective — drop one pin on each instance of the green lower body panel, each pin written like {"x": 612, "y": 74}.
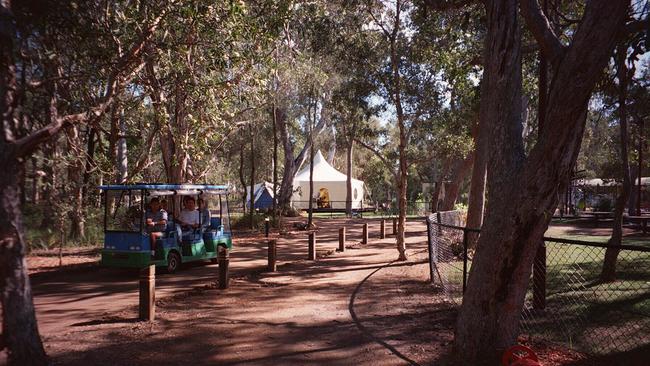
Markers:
{"x": 211, "y": 245}
{"x": 128, "y": 259}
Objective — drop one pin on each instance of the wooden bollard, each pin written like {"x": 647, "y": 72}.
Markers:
{"x": 312, "y": 246}
{"x": 364, "y": 238}
{"x": 342, "y": 239}
{"x": 224, "y": 273}
{"x": 147, "y": 309}
{"x": 394, "y": 226}
{"x": 272, "y": 267}
{"x": 382, "y": 229}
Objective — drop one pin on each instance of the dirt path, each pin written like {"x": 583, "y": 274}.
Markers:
{"x": 298, "y": 315}
{"x": 353, "y": 308}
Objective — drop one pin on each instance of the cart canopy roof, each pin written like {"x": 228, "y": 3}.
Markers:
{"x": 164, "y": 189}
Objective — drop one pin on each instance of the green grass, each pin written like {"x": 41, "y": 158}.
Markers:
{"x": 582, "y": 312}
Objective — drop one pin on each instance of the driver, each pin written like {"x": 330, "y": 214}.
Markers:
{"x": 155, "y": 221}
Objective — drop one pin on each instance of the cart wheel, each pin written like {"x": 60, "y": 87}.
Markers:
{"x": 173, "y": 262}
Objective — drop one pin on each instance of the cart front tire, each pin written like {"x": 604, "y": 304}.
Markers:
{"x": 173, "y": 262}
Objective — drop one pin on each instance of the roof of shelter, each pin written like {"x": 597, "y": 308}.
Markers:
{"x": 323, "y": 172}
{"x": 207, "y": 188}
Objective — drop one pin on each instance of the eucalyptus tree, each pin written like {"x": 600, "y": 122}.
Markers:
{"x": 203, "y": 75}
{"x": 523, "y": 190}
{"x": 45, "y": 55}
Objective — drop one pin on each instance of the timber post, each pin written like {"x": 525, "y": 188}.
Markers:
{"x": 224, "y": 263}
{"x": 394, "y": 225}
{"x": 312, "y": 246}
{"x": 273, "y": 254}
{"x": 342, "y": 239}
{"x": 364, "y": 237}
{"x": 382, "y": 229}
{"x": 147, "y": 308}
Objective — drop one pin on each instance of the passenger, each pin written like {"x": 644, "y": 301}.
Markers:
{"x": 155, "y": 221}
{"x": 205, "y": 214}
{"x": 133, "y": 218}
{"x": 163, "y": 204}
{"x": 189, "y": 217}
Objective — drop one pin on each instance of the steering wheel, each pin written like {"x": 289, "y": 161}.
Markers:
{"x": 517, "y": 355}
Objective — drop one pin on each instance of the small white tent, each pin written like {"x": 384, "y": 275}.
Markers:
{"x": 326, "y": 178}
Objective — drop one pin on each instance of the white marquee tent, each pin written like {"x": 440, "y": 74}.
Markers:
{"x": 327, "y": 177}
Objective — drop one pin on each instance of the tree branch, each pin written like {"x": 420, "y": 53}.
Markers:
{"x": 27, "y": 144}
{"x": 541, "y": 28}
{"x": 378, "y": 155}
{"x": 444, "y": 5}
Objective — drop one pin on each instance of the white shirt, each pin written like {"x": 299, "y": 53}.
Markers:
{"x": 189, "y": 217}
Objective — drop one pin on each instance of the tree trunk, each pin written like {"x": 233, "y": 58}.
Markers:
{"x": 19, "y": 327}
{"x": 36, "y": 197}
{"x": 50, "y": 182}
{"x": 631, "y": 203}
{"x": 242, "y": 180}
{"x": 75, "y": 194}
{"x": 523, "y": 192}
{"x": 286, "y": 188}
{"x": 348, "y": 180}
{"x": 608, "y": 273}
{"x": 252, "y": 202}
{"x": 457, "y": 177}
{"x": 310, "y": 218}
{"x": 90, "y": 162}
{"x": 476, "y": 204}
{"x": 275, "y": 163}
{"x": 122, "y": 160}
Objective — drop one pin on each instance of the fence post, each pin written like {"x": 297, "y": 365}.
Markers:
{"x": 430, "y": 247}
{"x": 342, "y": 239}
{"x": 312, "y": 246}
{"x": 147, "y": 308}
{"x": 224, "y": 263}
{"x": 464, "y": 260}
{"x": 394, "y": 225}
{"x": 266, "y": 226}
{"x": 364, "y": 237}
{"x": 382, "y": 229}
{"x": 272, "y": 255}
{"x": 539, "y": 278}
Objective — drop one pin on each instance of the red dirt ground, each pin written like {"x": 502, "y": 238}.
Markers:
{"x": 353, "y": 308}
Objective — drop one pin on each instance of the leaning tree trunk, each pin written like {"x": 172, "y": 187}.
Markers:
{"x": 19, "y": 328}
{"x": 608, "y": 273}
{"x": 457, "y": 177}
{"x": 524, "y": 191}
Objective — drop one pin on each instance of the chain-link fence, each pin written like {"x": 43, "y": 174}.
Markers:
{"x": 567, "y": 302}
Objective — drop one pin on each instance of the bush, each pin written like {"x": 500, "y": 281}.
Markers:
{"x": 604, "y": 205}
{"x": 244, "y": 222}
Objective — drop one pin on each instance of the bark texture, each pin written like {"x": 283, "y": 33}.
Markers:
{"x": 524, "y": 191}
{"x": 458, "y": 174}
{"x": 608, "y": 273}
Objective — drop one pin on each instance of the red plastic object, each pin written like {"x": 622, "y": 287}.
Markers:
{"x": 519, "y": 356}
